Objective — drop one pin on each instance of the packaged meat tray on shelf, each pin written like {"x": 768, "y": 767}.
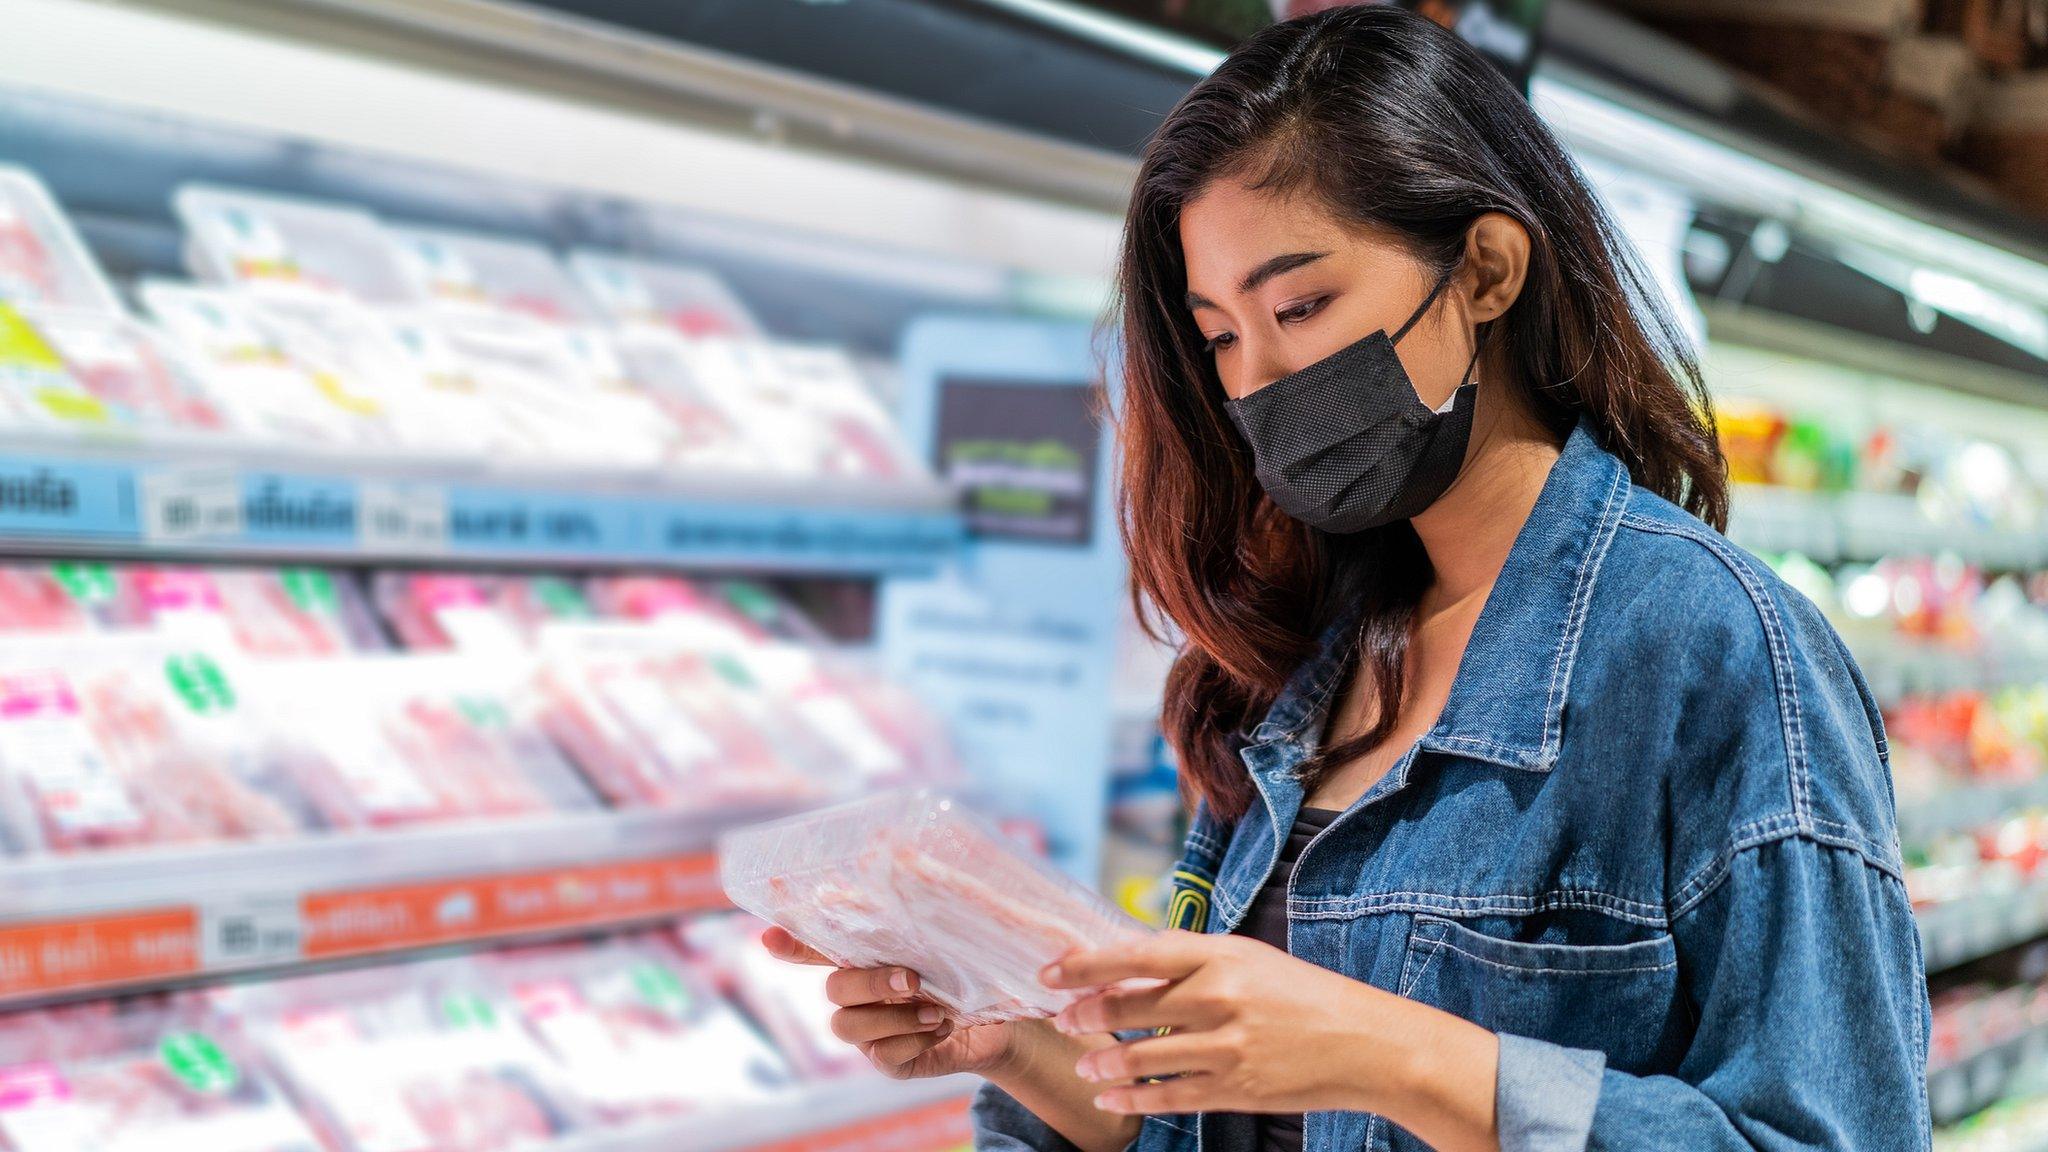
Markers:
{"x": 290, "y": 244}
{"x": 42, "y": 260}
{"x": 788, "y": 999}
{"x": 692, "y": 301}
{"x": 78, "y": 371}
{"x": 456, "y": 611}
{"x": 138, "y": 1076}
{"x": 470, "y": 272}
{"x": 911, "y": 878}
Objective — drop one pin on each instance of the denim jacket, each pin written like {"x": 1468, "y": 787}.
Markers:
{"x": 1649, "y": 842}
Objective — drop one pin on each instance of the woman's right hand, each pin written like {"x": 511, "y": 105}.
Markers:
{"x": 905, "y": 1037}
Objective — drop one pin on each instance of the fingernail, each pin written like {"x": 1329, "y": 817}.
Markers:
{"x": 1063, "y": 1023}
{"x": 1108, "y": 1102}
{"x": 1051, "y": 975}
{"x": 930, "y": 1014}
{"x": 1086, "y": 1070}
{"x": 900, "y": 980}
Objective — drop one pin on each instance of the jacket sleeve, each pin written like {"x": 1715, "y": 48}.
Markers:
{"x": 1003, "y": 1125}
{"x": 1803, "y": 965}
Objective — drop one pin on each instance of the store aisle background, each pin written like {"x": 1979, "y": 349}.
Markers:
{"x": 457, "y": 456}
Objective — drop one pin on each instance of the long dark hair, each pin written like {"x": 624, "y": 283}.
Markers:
{"x": 1392, "y": 122}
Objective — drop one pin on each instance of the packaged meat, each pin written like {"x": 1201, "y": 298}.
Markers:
{"x": 654, "y": 723}
{"x": 42, "y": 260}
{"x": 690, "y": 300}
{"x": 788, "y": 999}
{"x": 249, "y": 367}
{"x": 636, "y": 1035}
{"x": 705, "y": 436}
{"x": 415, "y": 1058}
{"x": 290, "y": 245}
{"x": 911, "y": 878}
{"x": 868, "y": 737}
{"x": 139, "y": 1076}
{"x": 272, "y": 612}
{"x": 470, "y": 272}
{"x": 862, "y": 438}
{"x": 388, "y": 741}
{"x": 37, "y": 598}
{"x": 139, "y": 745}
{"x": 440, "y": 611}
{"x": 73, "y": 368}
{"x": 680, "y": 606}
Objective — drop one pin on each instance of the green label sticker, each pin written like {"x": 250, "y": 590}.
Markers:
{"x": 560, "y": 598}
{"x": 21, "y": 346}
{"x": 482, "y": 711}
{"x": 753, "y": 601}
{"x": 198, "y": 1062}
{"x": 731, "y": 670}
{"x": 661, "y": 988}
{"x": 468, "y": 1010}
{"x": 200, "y": 683}
{"x": 86, "y": 583}
{"x": 310, "y": 588}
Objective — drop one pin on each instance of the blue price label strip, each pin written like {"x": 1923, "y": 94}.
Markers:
{"x": 823, "y": 538}
{"x": 303, "y": 510}
{"x": 500, "y": 520}
{"x": 67, "y": 498}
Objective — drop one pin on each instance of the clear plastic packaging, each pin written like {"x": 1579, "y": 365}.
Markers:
{"x": 395, "y": 741}
{"x": 443, "y": 611}
{"x": 42, "y": 599}
{"x": 652, "y": 723}
{"x": 690, "y": 300}
{"x": 788, "y": 999}
{"x": 862, "y": 439}
{"x": 42, "y": 260}
{"x": 911, "y": 878}
{"x": 414, "y": 1058}
{"x": 281, "y": 243}
{"x": 271, "y": 612}
{"x": 138, "y": 1076}
{"x": 636, "y": 1035}
{"x": 83, "y": 370}
{"x": 136, "y": 744}
{"x": 473, "y": 273}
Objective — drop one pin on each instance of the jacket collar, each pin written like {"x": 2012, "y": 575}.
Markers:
{"x": 1507, "y": 702}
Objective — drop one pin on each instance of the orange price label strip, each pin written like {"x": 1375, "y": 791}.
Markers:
{"x": 940, "y": 1127}
{"x": 352, "y": 921}
{"x": 58, "y": 955}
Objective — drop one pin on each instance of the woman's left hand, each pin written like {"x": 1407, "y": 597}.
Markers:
{"x": 1254, "y": 1029}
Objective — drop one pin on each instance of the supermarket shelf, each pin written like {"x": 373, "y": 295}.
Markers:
{"x": 127, "y": 498}
{"x": 1961, "y": 808}
{"x": 1974, "y": 1082}
{"x": 862, "y": 1115}
{"x": 1964, "y": 930}
{"x": 1898, "y": 668}
{"x": 136, "y": 918}
{"x": 1831, "y": 527}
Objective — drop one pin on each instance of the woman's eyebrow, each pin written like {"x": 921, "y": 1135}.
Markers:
{"x": 1267, "y": 269}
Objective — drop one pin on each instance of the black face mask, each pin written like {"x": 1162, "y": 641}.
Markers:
{"x": 1345, "y": 444}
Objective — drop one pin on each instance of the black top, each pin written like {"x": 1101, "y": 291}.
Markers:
{"x": 1267, "y": 921}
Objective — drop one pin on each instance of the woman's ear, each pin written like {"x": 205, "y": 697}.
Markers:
{"x": 1497, "y": 254}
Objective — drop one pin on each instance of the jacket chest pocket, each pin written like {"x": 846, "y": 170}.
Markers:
{"x": 1621, "y": 999}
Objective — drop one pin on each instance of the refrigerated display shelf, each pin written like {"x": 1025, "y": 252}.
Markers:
{"x": 861, "y": 1114}
{"x": 139, "y": 918}
{"x": 1960, "y": 808}
{"x": 1963, "y": 930}
{"x": 207, "y": 501}
{"x": 1897, "y": 668}
{"x": 1834, "y": 527}
{"x": 1975, "y": 1081}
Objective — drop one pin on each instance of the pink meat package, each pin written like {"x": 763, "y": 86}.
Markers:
{"x": 912, "y": 878}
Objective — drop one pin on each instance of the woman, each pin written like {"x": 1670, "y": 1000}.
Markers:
{"x": 1531, "y": 813}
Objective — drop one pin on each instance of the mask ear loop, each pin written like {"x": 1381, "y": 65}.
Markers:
{"x": 1423, "y": 309}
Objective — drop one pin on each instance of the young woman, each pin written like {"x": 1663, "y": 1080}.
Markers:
{"x": 1531, "y": 813}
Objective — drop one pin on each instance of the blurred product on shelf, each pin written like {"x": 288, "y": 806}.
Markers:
{"x": 788, "y": 999}
{"x": 137, "y": 1076}
{"x": 318, "y": 327}
{"x": 911, "y": 878}
{"x": 443, "y": 611}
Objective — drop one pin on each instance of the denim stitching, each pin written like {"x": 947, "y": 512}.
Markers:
{"x": 1575, "y": 620}
{"x": 1506, "y": 967}
{"x": 1344, "y": 907}
{"x": 1776, "y": 641}
{"x": 1410, "y": 982}
{"x": 1709, "y": 877}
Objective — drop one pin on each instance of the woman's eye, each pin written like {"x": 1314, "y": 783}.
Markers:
{"x": 1296, "y": 313}
{"x": 1219, "y": 342}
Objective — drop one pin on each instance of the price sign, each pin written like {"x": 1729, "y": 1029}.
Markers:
{"x": 247, "y": 930}
{"x": 191, "y": 504}
{"x": 402, "y": 517}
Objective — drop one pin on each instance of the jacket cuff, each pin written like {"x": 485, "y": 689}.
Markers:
{"x": 1544, "y": 1098}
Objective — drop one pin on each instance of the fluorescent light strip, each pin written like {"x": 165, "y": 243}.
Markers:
{"x": 1126, "y": 35}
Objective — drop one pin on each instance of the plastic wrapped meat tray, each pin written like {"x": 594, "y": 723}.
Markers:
{"x": 911, "y": 878}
